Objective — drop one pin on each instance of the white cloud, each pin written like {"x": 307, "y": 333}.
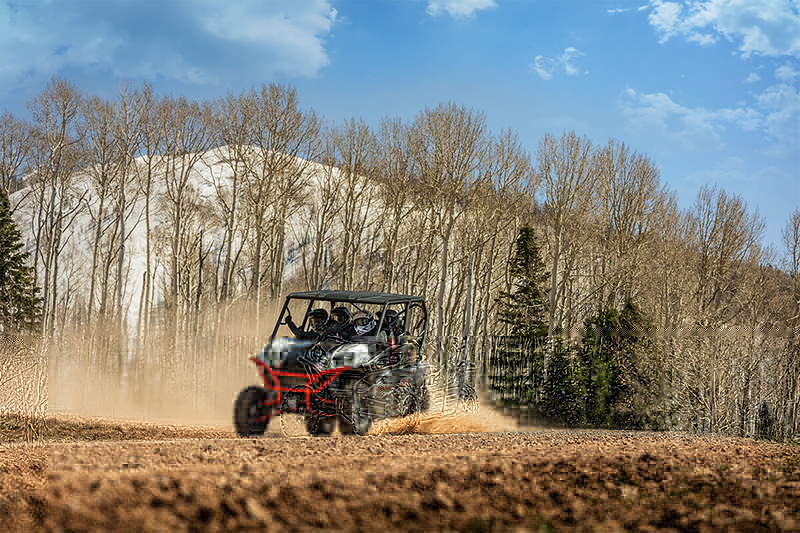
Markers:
{"x": 642, "y": 8}
{"x": 752, "y": 78}
{"x": 171, "y": 40}
{"x": 617, "y": 10}
{"x": 781, "y": 106}
{"x": 758, "y": 27}
{"x": 692, "y": 128}
{"x": 458, "y": 9}
{"x": 545, "y": 66}
{"x": 727, "y": 171}
{"x": 785, "y": 73}
{"x": 34, "y": 43}
{"x": 292, "y": 33}
{"x": 775, "y": 112}
{"x": 568, "y": 60}
{"x": 733, "y": 172}
{"x": 666, "y": 17}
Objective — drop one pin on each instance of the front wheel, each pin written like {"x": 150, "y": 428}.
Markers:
{"x": 354, "y": 415}
{"x": 249, "y": 413}
{"x": 320, "y": 426}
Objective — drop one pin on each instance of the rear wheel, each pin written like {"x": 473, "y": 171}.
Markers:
{"x": 410, "y": 403}
{"x": 249, "y": 413}
{"x": 424, "y": 398}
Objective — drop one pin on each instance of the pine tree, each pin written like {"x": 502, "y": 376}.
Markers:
{"x": 20, "y": 305}
{"x": 523, "y": 309}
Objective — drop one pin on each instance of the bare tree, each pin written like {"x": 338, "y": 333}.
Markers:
{"x": 511, "y": 187}
{"x": 103, "y": 165}
{"x": 128, "y": 132}
{"x": 726, "y": 235}
{"x": 395, "y": 175}
{"x": 187, "y": 136}
{"x": 55, "y": 113}
{"x": 150, "y": 154}
{"x": 631, "y": 200}
{"x": 790, "y": 236}
{"x": 284, "y": 141}
{"x": 353, "y": 155}
{"x": 16, "y": 137}
{"x": 319, "y": 220}
{"x": 232, "y": 126}
{"x": 451, "y": 143}
{"x": 565, "y": 168}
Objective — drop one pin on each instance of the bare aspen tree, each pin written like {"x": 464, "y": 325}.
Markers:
{"x": 670, "y": 265}
{"x": 232, "y": 125}
{"x": 630, "y": 203}
{"x": 150, "y": 155}
{"x": 55, "y": 114}
{"x": 724, "y": 240}
{"x": 395, "y": 176}
{"x": 16, "y": 137}
{"x": 319, "y": 220}
{"x": 128, "y": 132}
{"x": 726, "y": 234}
{"x": 103, "y": 166}
{"x": 790, "y": 237}
{"x": 511, "y": 186}
{"x": 354, "y": 158}
{"x": 451, "y": 145}
{"x": 186, "y": 136}
{"x": 758, "y": 347}
{"x": 284, "y": 141}
{"x": 566, "y": 170}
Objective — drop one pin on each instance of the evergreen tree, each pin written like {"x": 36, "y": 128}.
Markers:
{"x": 609, "y": 356}
{"x": 523, "y": 308}
{"x": 20, "y": 305}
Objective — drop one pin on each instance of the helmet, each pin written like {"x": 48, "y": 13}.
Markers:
{"x": 364, "y": 322}
{"x": 392, "y": 319}
{"x": 318, "y": 318}
{"x": 341, "y": 316}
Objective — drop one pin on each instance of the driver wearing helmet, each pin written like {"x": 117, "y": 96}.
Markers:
{"x": 317, "y": 318}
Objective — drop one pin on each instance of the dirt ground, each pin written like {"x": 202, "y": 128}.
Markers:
{"x": 474, "y": 472}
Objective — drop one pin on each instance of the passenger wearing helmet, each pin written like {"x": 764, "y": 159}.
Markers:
{"x": 379, "y": 341}
{"x": 393, "y": 328}
{"x": 363, "y": 323}
{"x": 340, "y": 325}
{"x": 317, "y": 320}
{"x": 391, "y": 322}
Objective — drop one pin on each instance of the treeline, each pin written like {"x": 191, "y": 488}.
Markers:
{"x": 159, "y": 228}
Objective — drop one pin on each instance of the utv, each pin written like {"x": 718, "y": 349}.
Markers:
{"x": 328, "y": 371}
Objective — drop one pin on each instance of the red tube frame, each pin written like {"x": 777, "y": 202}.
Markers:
{"x": 264, "y": 369}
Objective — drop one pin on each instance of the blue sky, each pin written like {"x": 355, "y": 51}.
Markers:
{"x": 709, "y": 89}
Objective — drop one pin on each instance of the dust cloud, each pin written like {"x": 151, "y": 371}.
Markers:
{"x": 484, "y": 419}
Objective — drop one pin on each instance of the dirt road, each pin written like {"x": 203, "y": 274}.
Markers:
{"x": 110, "y": 475}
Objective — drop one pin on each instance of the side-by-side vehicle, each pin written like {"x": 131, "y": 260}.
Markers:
{"x": 353, "y": 357}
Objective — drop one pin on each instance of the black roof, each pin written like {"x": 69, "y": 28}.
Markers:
{"x": 361, "y": 297}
